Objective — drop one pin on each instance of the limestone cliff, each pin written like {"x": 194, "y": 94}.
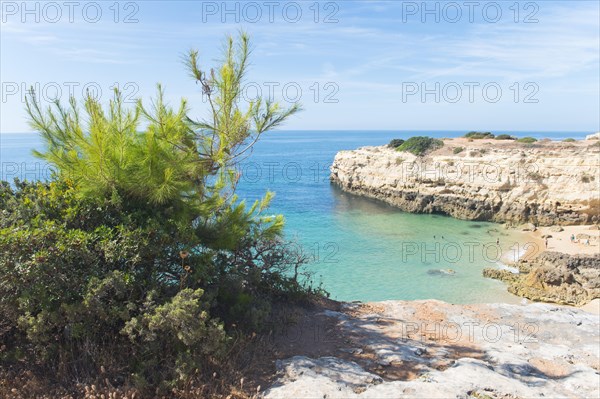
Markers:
{"x": 544, "y": 183}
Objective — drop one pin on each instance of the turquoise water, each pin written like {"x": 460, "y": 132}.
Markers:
{"x": 360, "y": 249}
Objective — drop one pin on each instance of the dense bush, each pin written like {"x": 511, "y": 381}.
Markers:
{"x": 136, "y": 259}
{"x": 479, "y": 135}
{"x": 569, "y": 140}
{"x": 395, "y": 143}
{"x": 419, "y": 145}
{"x": 457, "y": 150}
{"x": 505, "y": 137}
{"x": 76, "y": 274}
{"x": 527, "y": 140}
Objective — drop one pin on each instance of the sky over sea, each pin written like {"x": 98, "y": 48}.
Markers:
{"x": 464, "y": 65}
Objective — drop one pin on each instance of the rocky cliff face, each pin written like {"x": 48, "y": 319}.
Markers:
{"x": 544, "y": 183}
{"x": 554, "y": 277}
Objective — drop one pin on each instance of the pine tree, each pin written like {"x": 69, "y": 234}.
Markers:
{"x": 157, "y": 157}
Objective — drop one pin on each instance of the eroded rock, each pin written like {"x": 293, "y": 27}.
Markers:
{"x": 505, "y": 182}
{"x": 554, "y": 277}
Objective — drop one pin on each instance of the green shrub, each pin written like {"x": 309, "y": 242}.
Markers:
{"x": 569, "y": 140}
{"x": 505, "y": 137}
{"x": 527, "y": 140}
{"x": 479, "y": 135}
{"x": 135, "y": 258}
{"x": 77, "y": 273}
{"x": 457, "y": 150}
{"x": 74, "y": 273}
{"x": 419, "y": 145}
{"x": 395, "y": 143}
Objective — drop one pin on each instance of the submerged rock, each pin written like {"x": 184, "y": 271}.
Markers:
{"x": 441, "y": 272}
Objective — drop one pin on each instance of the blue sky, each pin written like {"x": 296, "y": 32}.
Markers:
{"x": 370, "y": 62}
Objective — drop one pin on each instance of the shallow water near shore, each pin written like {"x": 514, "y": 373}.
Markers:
{"x": 361, "y": 249}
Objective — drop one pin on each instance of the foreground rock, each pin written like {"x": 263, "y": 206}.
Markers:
{"x": 544, "y": 183}
{"x": 431, "y": 349}
{"x": 554, "y": 277}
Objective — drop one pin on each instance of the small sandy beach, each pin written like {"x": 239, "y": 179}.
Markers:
{"x": 561, "y": 241}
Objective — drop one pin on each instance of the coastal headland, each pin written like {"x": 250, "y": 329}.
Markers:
{"x": 433, "y": 349}
{"x": 543, "y": 183}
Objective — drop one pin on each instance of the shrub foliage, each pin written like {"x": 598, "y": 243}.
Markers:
{"x": 479, "y": 135}
{"x": 527, "y": 140}
{"x": 395, "y": 143}
{"x": 137, "y": 258}
{"x": 505, "y": 137}
{"x": 419, "y": 145}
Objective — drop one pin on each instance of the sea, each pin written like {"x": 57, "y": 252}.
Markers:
{"x": 359, "y": 249}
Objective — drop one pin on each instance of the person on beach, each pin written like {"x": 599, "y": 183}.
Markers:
{"x": 572, "y": 237}
{"x": 497, "y": 241}
{"x": 546, "y": 243}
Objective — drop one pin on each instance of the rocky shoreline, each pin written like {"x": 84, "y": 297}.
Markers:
{"x": 554, "y": 277}
{"x": 486, "y": 180}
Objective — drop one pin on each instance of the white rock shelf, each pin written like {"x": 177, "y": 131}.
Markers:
{"x": 502, "y": 351}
